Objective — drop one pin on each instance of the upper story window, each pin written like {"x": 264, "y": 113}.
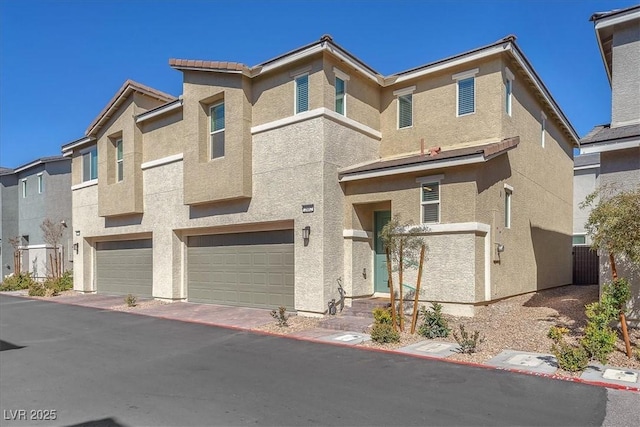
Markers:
{"x": 216, "y": 112}
{"x": 508, "y": 192}
{"x": 430, "y": 199}
{"x": 90, "y": 164}
{"x": 543, "y": 128}
{"x": 341, "y": 91}
{"x": 40, "y": 183}
{"x": 405, "y": 107}
{"x": 24, "y": 188}
{"x": 466, "y": 92}
{"x": 302, "y": 93}
{"x": 119, "y": 161}
{"x": 508, "y": 86}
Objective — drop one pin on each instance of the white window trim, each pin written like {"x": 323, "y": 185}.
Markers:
{"x": 403, "y": 92}
{"x": 119, "y": 161}
{"x": 423, "y": 180}
{"x": 543, "y": 128}
{"x": 212, "y": 132}
{"x": 463, "y": 76}
{"x": 510, "y": 79}
{"x": 40, "y": 183}
{"x": 24, "y": 188}
{"x": 507, "y": 205}
{"x": 345, "y": 78}
{"x": 295, "y": 93}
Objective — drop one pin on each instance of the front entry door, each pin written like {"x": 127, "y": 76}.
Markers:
{"x": 381, "y": 277}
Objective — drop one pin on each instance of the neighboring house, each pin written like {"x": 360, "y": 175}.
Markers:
{"x": 30, "y": 194}
{"x": 618, "y": 143}
{"x": 586, "y": 179}
{"x": 262, "y": 186}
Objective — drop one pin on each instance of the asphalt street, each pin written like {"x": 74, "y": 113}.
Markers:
{"x": 96, "y": 367}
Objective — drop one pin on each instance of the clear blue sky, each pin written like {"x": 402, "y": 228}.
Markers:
{"x": 62, "y": 61}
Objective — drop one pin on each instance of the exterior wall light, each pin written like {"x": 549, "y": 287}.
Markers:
{"x": 306, "y": 231}
{"x": 75, "y": 248}
{"x": 500, "y": 248}
{"x": 77, "y": 232}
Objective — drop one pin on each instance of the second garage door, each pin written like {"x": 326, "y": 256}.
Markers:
{"x": 243, "y": 269}
{"x": 125, "y": 267}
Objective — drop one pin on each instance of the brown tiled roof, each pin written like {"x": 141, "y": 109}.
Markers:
{"x": 129, "y": 85}
{"x": 207, "y": 65}
{"x": 603, "y": 133}
{"x": 487, "y": 150}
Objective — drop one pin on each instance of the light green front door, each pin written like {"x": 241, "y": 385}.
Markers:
{"x": 381, "y": 276}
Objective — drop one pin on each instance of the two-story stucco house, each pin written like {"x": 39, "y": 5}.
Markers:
{"x": 29, "y": 194}
{"x": 261, "y": 186}
{"x": 618, "y": 142}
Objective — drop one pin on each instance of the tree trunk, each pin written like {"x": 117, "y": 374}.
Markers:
{"x": 414, "y": 317}
{"x": 401, "y": 286}
{"x": 392, "y": 296}
{"x": 625, "y": 333}
{"x": 612, "y": 261}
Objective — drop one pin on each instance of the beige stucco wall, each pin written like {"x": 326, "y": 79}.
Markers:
{"x": 211, "y": 180}
{"x": 310, "y": 177}
{"x": 434, "y": 111}
{"x": 162, "y": 136}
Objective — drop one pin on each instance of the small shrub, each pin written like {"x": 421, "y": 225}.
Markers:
{"x": 599, "y": 341}
{"x": 382, "y": 330}
{"x": 130, "y": 300}
{"x": 281, "y": 316}
{"x": 434, "y": 324}
{"x": 556, "y": 333}
{"x": 17, "y": 282}
{"x": 468, "y": 343}
{"x": 382, "y": 316}
{"x": 37, "y": 289}
{"x": 384, "y": 333}
{"x": 619, "y": 292}
{"x": 637, "y": 354}
{"x": 570, "y": 358}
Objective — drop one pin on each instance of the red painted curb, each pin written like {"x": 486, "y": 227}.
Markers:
{"x": 355, "y": 346}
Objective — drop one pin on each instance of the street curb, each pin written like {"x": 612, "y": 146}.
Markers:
{"x": 357, "y": 347}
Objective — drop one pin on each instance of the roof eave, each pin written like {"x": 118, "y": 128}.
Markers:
{"x": 67, "y": 149}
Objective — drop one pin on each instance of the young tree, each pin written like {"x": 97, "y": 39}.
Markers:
{"x": 52, "y": 235}
{"x": 403, "y": 243}
{"x": 614, "y": 227}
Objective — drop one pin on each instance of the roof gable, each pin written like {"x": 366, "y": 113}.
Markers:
{"x": 119, "y": 98}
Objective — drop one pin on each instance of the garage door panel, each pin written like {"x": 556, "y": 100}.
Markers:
{"x": 248, "y": 269}
{"x": 124, "y": 267}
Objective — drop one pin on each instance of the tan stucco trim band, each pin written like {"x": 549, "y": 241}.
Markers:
{"x": 458, "y": 227}
{"x": 312, "y": 114}
{"x": 162, "y": 161}
{"x": 85, "y": 184}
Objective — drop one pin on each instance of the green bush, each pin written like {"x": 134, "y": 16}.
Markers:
{"x": 281, "y": 316}
{"x": 599, "y": 339}
{"x": 130, "y": 300}
{"x": 434, "y": 325}
{"x": 468, "y": 343}
{"x": 383, "y": 316}
{"x": 570, "y": 358}
{"x": 619, "y": 292}
{"x": 556, "y": 333}
{"x": 16, "y": 282}
{"x": 384, "y": 333}
{"x": 37, "y": 289}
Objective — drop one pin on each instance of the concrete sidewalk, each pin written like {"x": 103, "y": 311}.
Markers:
{"x": 248, "y": 319}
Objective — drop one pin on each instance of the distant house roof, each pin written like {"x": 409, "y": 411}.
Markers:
{"x": 603, "y": 133}
{"x": 604, "y": 23}
{"x": 40, "y": 161}
{"x": 605, "y": 138}
{"x": 5, "y": 171}
{"x": 118, "y": 99}
{"x": 434, "y": 160}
